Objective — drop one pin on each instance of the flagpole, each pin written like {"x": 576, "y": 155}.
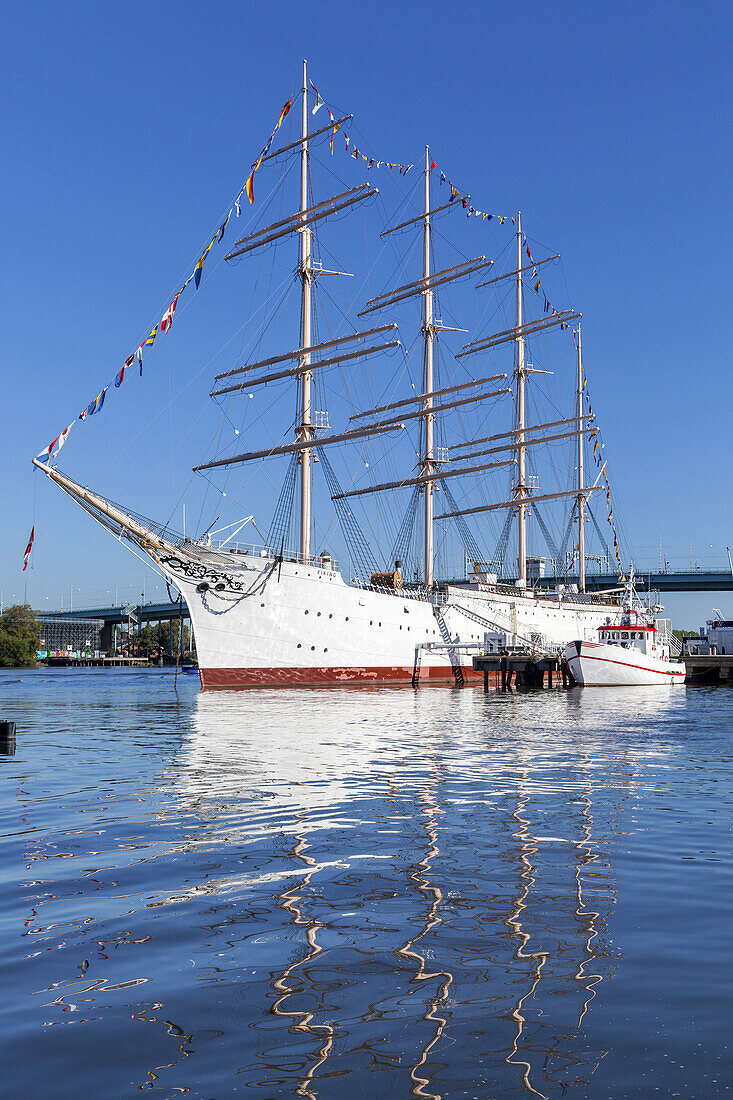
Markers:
{"x": 305, "y": 430}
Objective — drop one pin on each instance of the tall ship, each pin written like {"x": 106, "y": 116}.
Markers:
{"x": 442, "y": 419}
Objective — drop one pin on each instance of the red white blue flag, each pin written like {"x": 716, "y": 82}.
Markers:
{"x": 29, "y": 547}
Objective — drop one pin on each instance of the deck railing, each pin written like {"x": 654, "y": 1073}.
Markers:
{"x": 258, "y": 550}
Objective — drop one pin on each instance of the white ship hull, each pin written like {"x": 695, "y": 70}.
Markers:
{"x": 260, "y": 622}
{"x": 595, "y": 665}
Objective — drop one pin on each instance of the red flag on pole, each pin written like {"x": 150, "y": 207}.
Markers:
{"x": 29, "y": 547}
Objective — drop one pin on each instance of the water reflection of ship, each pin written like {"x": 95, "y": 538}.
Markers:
{"x": 548, "y": 1056}
{"x": 247, "y": 775}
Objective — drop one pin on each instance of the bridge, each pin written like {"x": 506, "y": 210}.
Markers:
{"x": 130, "y": 615}
{"x": 688, "y": 580}
{"x": 118, "y": 614}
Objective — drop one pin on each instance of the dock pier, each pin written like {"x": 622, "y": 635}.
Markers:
{"x": 529, "y": 670}
{"x": 708, "y": 668}
{"x": 523, "y": 670}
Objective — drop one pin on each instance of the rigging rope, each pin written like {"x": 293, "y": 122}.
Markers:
{"x": 563, "y": 563}
{"x": 402, "y": 549}
{"x": 601, "y": 536}
{"x": 500, "y": 552}
{"x": 278, "y": 534}
{"x": 470, "y": 544}
{"x": 352, "y": 532}
{"x": 551, "y": 545}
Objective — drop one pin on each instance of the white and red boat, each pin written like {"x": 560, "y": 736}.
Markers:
{"x": 634, "y": 652}
{"x": 272, "y": 615}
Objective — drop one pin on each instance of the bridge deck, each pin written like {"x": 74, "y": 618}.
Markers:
{"x": 693, "y": 580}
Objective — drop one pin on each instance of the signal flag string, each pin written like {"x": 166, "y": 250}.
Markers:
{"x": 166, "y": 321}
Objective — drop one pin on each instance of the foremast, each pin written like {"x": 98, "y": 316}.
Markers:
{"x": 428, "y": 458}
{"x": 581, "y": 494}
{"x": 520, "y": 487}
{"x": 304, "y": 430}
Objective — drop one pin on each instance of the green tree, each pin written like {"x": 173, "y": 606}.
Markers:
{"x": 20, "y": 632}
{"x": 165, "y": 633}
{"x": 146, "y": 640}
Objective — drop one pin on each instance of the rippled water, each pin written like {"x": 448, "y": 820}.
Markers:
{"x": 364, "y": 893}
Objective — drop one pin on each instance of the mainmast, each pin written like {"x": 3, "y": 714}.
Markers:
{"x": 581, "y": 496}
{"x": 521, "y": 485}
{"x": 428, "y": 462}
{"x": 304, "y": 431}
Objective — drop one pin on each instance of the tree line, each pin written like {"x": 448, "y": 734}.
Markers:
{"x": 20, "y": 634}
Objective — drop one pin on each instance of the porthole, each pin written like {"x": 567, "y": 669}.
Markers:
{"x": 325, "y": 649}
{"x": 262, "y": 605}
{"x": 330, "y": 616}
{"x": 313, "y": 647}
{"x": 300, "y": 645}
{"x": 306, "y": 611}
{"x": 347, "y": 618}
{"x": 319, "y": 613}
{"x": 371, "y": 622}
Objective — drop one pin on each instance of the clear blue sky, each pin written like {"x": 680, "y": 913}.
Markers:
{"x": 127, "y": 129}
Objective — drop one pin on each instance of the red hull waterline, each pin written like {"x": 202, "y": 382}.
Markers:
{"x": 330, "y": 677}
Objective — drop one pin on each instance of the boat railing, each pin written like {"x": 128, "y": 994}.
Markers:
{"x": 257, "y": 550}
{"x": 403, "y": 593}
{"x": 535, "y": 642}
{"x": 666, "y": 637}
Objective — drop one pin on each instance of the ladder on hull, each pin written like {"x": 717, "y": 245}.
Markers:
{"x": 448, "y": 641}
{"x": 543, "y": 644}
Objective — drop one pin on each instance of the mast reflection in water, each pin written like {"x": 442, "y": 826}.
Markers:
{"x": 372, "y": 893}
{"x": 370, "y": 877}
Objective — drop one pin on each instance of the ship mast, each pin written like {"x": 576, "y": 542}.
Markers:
{"x": 304, "y": 431}
{"x": 581, "y": 497}
{"x": 428, "y": 462}
{"x": 521, "y": 485}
